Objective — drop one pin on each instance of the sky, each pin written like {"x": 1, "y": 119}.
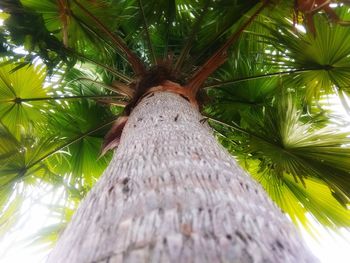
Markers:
{"x": 329, "y": 247}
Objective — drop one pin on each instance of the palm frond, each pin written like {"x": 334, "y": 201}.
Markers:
{"x": 81, "y": 141}
{"x": 327, "y": 54}
{"x": 276, "y": 144}
{"x": 148, "y": 38}
{"x": 14, "y": 88}
{"x": 300, "y": 201}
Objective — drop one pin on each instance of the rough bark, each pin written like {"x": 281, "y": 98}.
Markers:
{"x": 173, "y": 194}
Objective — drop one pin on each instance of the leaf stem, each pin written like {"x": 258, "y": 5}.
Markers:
{"x": 111, "y": 70}
{"x": 80, "y": 137}
{"x": 148, "y": 37}
{"x": 20, "y": 100}
{"x": 289, "y": 153}
{"x": 220, "y": 56}
{"x": 135, "y": 62}
{"x": 186, "y": 49}
{"x": 223, "y": 83}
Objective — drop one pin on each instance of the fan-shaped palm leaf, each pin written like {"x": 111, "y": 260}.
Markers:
{"x": 326, "y": 55}
{"x": 15, "y": 88}
{"x": 275, "y": 144}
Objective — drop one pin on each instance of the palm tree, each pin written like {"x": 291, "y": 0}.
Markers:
{"x": 175, "y": 77}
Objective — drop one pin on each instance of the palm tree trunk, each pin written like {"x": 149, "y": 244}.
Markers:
{"x": 173, "y": 194}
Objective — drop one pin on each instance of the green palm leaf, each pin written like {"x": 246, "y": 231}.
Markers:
{"x": 326, "y": 55}
{"x": 82, "y": 157}
{"x": 300, "y": 201}
{"x": 277, "y": 144}
{"x": 68, "y": 22}
{"x": 26, "y": 82}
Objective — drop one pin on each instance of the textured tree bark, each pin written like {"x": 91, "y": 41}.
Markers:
{"x": 173, "y": 194}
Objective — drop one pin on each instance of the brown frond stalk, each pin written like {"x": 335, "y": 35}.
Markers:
{"x": 219, "y": 57}
{"x": 112, "y": 138}
{"x": 113, "y": 102}
{"x": 310, "y": 7}
{"x": 123, "y": 89}
{"x": 134, "y": 61}
{"x": 64, "y": 17}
